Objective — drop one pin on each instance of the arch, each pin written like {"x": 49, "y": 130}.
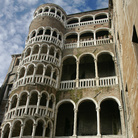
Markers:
{"x": 58, "y": 54}
{"x": 40, "y": 68}
{"x": 71, "y": 37}
{"x": 52, "y": 101}
{"x": 51, "y": 50}
{"x": 28, "y": 127}
{"x": 102, "y": 33}
{"x": 67, "y": 56}
{"x": 17, "y": 127}
{"x": 110, "y": 120}
{"x": 106, "y": 66}
{"x": 40, "y": 31}
{"x": 101, "y": 15}
{"x": 52, "y": 9}
{"x": 104, "y": 51}
{"x": 48, "y": 70}
{"x": 65, "y": 119}
{"x": 33, "y": 97}
{"x": 40, "y": 123}
{"x": 32, "y": 34}
{"x": 14, "y": 101}
{"x": 27, "y": 52}
{"x": 35, "y": 49}
{"x": 44, "y": 98}
{"x": 23, "y": 98}
{"x": 73, "y": 20}
{"x": 86, "y": 18}
{"x": 110, "y": 97}
{"x": 22, "y": 72}
{"x": 59, "y": 13}
{"x": 48, "y": 132}
{"x": 48, "y": 31}
{"x": 30, "y": 69}
{"x": 6, "y": 130}
{"x": 44, "y": 48}
{"x": 40, "y": 10}
{"x": 55, "y": 73}
{"x": 69, "y": 68}
{"x": 86, "y": 66}
{"x": 86, "y": 117}
{"x": 46, "y": 9}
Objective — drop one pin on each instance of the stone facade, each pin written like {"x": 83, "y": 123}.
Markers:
{"x": 75, "y": 77}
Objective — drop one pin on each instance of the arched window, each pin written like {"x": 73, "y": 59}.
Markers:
{"x": 87, "y": 36}
{"x": 59, "y": 13}
{"x": 101, "y": 34}
{"x": 110, "y": 118}
{"x": 52, "y": 10}
{"x": 6, "y": 131}
{"x": 14, "y": 101}
{"x": 65, "y": 120}
{"x": 46, "y": 9}
{"x": 51, "y": 102}
{"x": 86, "y": 119}
{"x": 47, "y": 32}
{"x": 40, "y": 11}
{"x": 73, "y": 21}
{"x": 30, "y": 70}
{"x": 39, "y": 128}
{"x": 105, "y": 65}
{"x": 35, "y": 49}
{"x": 71, "y": 38}
{"x": 100, "y": 16}
{"x": 86, "y": 18}
{"x": 48, "y": 130}
{"x": 33, "y": 98}
{"x": 69, "y": 69}
{"x": 16, "y": 129}
{"x": 44, "y": 49}
{"x": 52, "y": 51}
{"x": 22, "y": 71}
{"x": 23, "y": 99}
{"x": 54, "y": 34}
{"x": 40, "y": 32}
{"x": 28, "y": 128}
{"x": 86, "y": 67}
{"x": 27, "y": 53}
{"x": 55, "y": 74}
{"x": 43, "y": 100}
{"x": 33, "y": 34}
{"x": 39, "y": 70}
{"x": 48, "y": 71}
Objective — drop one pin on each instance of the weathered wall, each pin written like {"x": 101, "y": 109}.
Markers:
{"x": 125, "y": 15}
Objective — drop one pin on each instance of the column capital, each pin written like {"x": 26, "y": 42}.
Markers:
{"x": 75, "y": 110}
{"x": 120, "y": 108}
{"x": 98, "y": 108}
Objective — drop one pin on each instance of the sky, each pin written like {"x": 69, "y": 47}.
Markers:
{"x": 16, "y": 16}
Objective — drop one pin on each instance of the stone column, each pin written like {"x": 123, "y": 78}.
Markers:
{"x": 10, "y": 133}
{"x": 75, "y": 122}
{"x": 116, "y": 71}
{"x": 9, "y": 105}
{"x": 33, "y": 132}
{"x": 47, "y": 53}
{"x": 122, "y": 120}
{"x": 30, "y": 54}
{"x": 47, "y": 104}
{"x": 51, "y": 35}
{"x": 24, "y": 76}
{"x": 98, "y": 121}
{"x": 2, "y": 133}
{"x": 44, "y": 71}
{"x": 96, "y": 72}
{"x": 6, "y": 92}
{"x": 78, "y": 41}
{"x": 21, "y": 132}
{"x": 94, "y": 37}
{"x": 27, "y": 103}
{"x": 55, "y": 52}
{"x": 77, "y": 74}
{"x": 52, "y": 72}
{"x": 34, "y": 74}
{"x": 39, "y": 53}
{"x": 55, "y": 122}
{"x": 17, "y": 106}
{"x": 44, "y": 131}
{"x": 38, "y": 103}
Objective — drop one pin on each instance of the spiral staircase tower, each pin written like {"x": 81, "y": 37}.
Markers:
{"x": 34, "y": 91}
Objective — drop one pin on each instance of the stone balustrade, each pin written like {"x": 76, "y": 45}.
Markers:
{"x": 87, "y": 43}
{"x": 88, "y": 83}
{"x": 100, "y": 21}
{"x": 31, "y": 111}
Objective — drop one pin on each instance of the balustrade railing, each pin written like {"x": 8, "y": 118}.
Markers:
{"x": 45, "y": 38}
{"x": 31, "y": 111}
{"x": 99, "y": 21}
{"x": 42, "y": 57}
{"x": 88, "y": 83}
{"x": 67, "y": 85}
{"x": 87, "y": 43}
{"x": 40, "y": 79}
